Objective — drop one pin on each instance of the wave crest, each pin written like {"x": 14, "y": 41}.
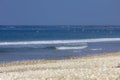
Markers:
{"x": 61, "y": 41}
{"x": 67, "y": 48}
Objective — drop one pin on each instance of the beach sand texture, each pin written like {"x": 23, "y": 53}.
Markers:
{"x": 98, "y": 67}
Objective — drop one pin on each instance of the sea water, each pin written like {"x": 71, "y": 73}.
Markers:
{"x": 56, "y": 42}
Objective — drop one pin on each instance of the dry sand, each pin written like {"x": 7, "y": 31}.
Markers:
{"x": 98, "y": 67}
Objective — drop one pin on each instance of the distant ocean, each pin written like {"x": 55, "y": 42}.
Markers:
{"x": 56, "y": 42}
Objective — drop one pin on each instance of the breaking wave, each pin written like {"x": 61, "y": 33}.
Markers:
{"x": 59, "y": 41}
{"x": 67, "y": 48}
{"x": 56, "y": 44}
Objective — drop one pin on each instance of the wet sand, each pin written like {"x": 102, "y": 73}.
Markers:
{"x": 97, "y": 67}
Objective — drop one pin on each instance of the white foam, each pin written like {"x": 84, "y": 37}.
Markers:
{"x": 60, "y": 41}
{"x": 96, "y": 49}
{"x": 66, "y": 48}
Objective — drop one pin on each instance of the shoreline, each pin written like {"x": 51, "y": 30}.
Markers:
{"x": 100, "y": 66}
{"x": 73, "y": 58}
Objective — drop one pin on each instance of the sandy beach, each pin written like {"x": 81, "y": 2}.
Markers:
{"x": 97, "y": 67}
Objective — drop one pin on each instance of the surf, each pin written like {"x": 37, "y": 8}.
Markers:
{"x": 67, "y": 48}
{"x": 58, "y": 41}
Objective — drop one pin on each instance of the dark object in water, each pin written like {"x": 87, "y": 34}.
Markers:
{"x": 50, "y": 47}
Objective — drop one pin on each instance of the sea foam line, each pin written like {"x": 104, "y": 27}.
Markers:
{"x": 60, "y": 41}
{"x": 66, "y": 48}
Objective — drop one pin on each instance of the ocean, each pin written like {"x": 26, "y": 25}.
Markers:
{"x": 22, "y": 42}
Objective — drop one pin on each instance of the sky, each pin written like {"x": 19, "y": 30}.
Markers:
{"x": 59, "y": 12}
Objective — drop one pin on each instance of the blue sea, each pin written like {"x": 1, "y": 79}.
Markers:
{"x": 21, "y": 42}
